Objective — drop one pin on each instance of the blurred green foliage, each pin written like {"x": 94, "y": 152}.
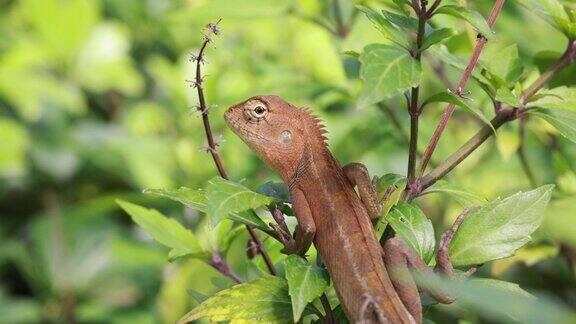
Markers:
{"x": 94, "y": 107}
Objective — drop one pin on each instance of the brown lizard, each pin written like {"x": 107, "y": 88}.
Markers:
{"x": 331, "y": 215}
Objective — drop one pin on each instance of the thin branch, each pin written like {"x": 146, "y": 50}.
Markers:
{"x": 522, "y": 152}
{"x": 413, "y": 107}
{"x": 212, "y": 147}
{"x": 504, "y": 115}
{"x": 329, "y": 318}
{"x": 433, "y": 7}
{"x": 222, "y": 266}
{"x": 459, "y": 88}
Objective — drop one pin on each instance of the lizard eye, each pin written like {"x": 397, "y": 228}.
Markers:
{"x": 259, "y": 111}
{"x": 256, "y": 113}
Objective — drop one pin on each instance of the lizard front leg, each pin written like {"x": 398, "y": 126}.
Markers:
{"x": 305, "y": 230}
{"x": 358, "y": 176}
{"x": 398, "y": 258}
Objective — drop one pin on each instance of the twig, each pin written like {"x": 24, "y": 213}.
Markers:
{"x": 413, "y": 108}
{"x": 329, "y": 318}
{"x": 505, "y": 114}
{"x": 459, "y": 88}
{"x": 222, "y": 266}
{"x": 522, "y": 152}
{"x": 214, "y": 29}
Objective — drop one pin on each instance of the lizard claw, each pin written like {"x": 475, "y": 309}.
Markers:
{"x": 286, "y": 239}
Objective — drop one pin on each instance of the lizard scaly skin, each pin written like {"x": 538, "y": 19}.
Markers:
{"x": 292, "y": 142}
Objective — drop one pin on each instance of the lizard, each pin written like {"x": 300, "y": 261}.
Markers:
{"x": 367, "y": 277}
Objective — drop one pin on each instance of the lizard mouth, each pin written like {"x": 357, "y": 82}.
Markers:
{"x": 242, "y": 130}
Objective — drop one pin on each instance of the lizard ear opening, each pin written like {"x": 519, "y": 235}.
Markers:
{"x": 286, "y": 137}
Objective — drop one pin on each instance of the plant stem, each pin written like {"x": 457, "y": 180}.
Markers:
{"x": 504, "y": 115}
{"x": 522, "y": 153}
{"x": 413, "y": 108}
{"x": 459, "y": 89}
{"x": 453, "y": 160}
{"x": 213, "y": 150}
{"x": 566, "y": 59}
{"x": 329, "y": 318}
{"x": 220, "y": 264}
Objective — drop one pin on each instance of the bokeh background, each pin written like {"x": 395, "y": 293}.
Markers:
{"x": 94, "y": 106}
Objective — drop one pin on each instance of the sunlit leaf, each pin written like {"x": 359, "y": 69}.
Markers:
{"x": 554, "y": 13}
{"x": 414, "y": 228}
{"x": 306, "y": 282}
{"x": 506, "y": 96}
{"x": 461, "y": 102}
{"x": 557, "y": 98}
{"x": 563, "y": 120}
{"x": 497, "y": 229}
{"x": 437, "y": 36}
{"x": 464, "y": 198}
{"x": 401, "y": 20}
{"x": 386, "y": 28}
{"x": 386, "y": 71}
{"x": 504, "y": 67}
{"x": 442, "y": 53}
{"x": 166, "y": 231}
{"x": 473, "y": 17}
{"x": 195, "y": 199}
{"x": 227, "y": 197}
{"x": 264, "y": 300}
{"x": 500, "y": 301}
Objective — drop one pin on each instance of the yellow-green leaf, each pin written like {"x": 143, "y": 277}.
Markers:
{"x": 264, "y": 300}
{"x": 306, "y": 282}
{"x": 165, "y": 231}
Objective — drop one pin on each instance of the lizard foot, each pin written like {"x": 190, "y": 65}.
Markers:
{"x": 290, "y": 246}
{"x": 369, "y": 311}
{"x": 443, "y": 263}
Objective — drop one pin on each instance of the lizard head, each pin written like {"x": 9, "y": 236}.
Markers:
{"x": 278, "y": 132}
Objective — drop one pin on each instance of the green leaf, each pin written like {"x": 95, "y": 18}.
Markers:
{"x": 506, "y": 96}
{"x": 277, "y": 190}
{"x": 557, "y": 98}
{"x": 230, "y": 199}
{"x": 554, "y": 13}
{"x": 415, "y": 229}
{"x": 458, "y": 101}
{"x": 437, "y": 36}
{"x": 498, "y": 229}
{"x": 386, "y": 71}
{"x": 510, "y": 287}
{"x": 500, "y": 301}
{"x": 383, "y": 183}
{"x": 306, "y": 282}
{"x": 264, "y": 300}
{"x": 464, "y": 198}
{"x": 563, "y": 120}
{"x": 474, "y": 18}
{"x": 386, "y": 28}
{"x": 194, "y": 199}
{"x": 165, "y": 231}
{"x": 401, "y": 20}
{"x": 441, "y": 52}
{"x": 504, "y": 67}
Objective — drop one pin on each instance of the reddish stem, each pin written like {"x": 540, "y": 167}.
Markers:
{"x": 459, "y": 88}
{"x": 212, "y": 148}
